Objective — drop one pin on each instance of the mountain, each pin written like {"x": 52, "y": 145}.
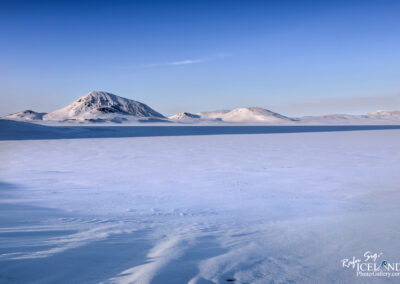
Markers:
{"x": 217, "y": 114}
{"x": 245, "y": 115}
{"x": 384, "y": 114}
{"x": 330, "y": 119}
{"x": 103, "y": 106}
{"x": 254, "y": 114}
{"x": 377, "y": 117}
{"x": 26, "y": 115}
{"x": 184, "y": 116}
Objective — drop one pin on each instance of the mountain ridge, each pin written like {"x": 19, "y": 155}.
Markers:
{"x": 99, "y": 106}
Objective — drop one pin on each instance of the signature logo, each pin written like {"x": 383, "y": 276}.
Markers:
{"x": 372, "y": 264}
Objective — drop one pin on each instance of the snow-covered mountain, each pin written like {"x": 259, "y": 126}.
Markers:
{"x": 245, "y": 115}
{"x": 384, "y": 114}
{"x": 377, "y": 117}
{"x": 330, "y": 118}
{"x": 184, "y": 116}
{"x": 103, "y": 106}
{"x": 26, "y": 115}
{"x": 254, "y": 114}
{"x": 217, "y": 114}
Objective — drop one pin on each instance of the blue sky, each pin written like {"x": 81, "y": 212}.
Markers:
{"x": 293, "y": 57}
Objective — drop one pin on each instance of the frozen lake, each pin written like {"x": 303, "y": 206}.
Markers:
{"x": 244, "y": 208}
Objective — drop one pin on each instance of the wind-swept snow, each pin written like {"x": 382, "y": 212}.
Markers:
{"x": 267, "y": 208}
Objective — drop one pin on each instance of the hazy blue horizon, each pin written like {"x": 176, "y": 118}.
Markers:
{"x": 292, "y": 57}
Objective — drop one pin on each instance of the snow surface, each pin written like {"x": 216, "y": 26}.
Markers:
{"x": 266, "y": 208}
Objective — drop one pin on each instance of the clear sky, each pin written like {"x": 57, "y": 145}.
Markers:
{"x": 292, "y": 57}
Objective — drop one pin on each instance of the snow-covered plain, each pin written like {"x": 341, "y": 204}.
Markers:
{"x": 265, "y": 208}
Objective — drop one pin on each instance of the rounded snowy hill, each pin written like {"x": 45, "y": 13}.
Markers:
{"x": 384, "y": 114}
{"x": 254, "y": 114}
{"x": 217, "y": 114}
{"x": 103, "y": 106}
{"x": 26, "y": 115}
{"x": 377, "y": 117}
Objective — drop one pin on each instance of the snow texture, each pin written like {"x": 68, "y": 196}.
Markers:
{"x": 265, "y": 208}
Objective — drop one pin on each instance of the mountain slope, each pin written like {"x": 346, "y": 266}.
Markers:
{"x": 184, "y": 116}
{"x": 103, "y": 106}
